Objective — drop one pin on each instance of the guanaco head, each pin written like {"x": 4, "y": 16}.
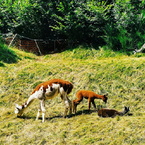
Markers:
{"x": 126, "y": 109}
{"x": 105, "y": 98}
{"x": 18, "y": 110}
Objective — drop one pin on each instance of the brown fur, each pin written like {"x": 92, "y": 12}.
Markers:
{"x": 91, "y": 96}
{"x": 104, "y": 112}
{"x": 67, "y": 86}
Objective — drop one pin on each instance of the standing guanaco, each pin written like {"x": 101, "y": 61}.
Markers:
{"x": 91, "y": 96}
{"x": 45, "y": 91}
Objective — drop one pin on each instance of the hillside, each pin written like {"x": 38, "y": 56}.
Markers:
{"x": 119, "y": 75}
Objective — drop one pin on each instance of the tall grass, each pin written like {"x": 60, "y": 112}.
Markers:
{"x": 102, "y": 71}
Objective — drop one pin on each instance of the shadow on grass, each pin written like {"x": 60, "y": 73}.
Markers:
{"x": 84, "y": 112}
{"x": 40, "y": 118}
{"x": 68, "y": 116}
{"x": 1, "y": 64}
{"x": 7, "y": 55}
{"x": 60, "y": 116}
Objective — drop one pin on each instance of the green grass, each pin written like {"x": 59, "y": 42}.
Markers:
{"x": 7, "y": 55}
{"x": 102, "y": 71}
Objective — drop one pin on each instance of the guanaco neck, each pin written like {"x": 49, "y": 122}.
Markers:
{"x": 99, "y": 96}
{"x": 29, "y": 101}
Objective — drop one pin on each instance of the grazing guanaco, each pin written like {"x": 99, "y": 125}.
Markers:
{"x": 91, "y": 96}
{"x": 104, "y": 112}
{"x": 45, "y": 91}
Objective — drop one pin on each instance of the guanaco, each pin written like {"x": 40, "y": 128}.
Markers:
{"x": 91, "y": 96}
{"x": 48, "y": 90}
{"x": 104, "y": 112}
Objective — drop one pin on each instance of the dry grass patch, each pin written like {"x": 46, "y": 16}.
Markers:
{"x": 123, "y": 77}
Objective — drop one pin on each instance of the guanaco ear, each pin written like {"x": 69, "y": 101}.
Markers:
{"x": 127, "y": 108}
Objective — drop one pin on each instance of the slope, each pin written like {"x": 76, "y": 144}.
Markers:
{"x": 102, "y": 71}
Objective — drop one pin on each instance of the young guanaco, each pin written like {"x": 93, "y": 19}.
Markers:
{"x": 104, "y": 112}
{"x": 91, "y": 96}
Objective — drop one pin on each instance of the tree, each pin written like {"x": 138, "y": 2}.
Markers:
{"x": 125, "y": 29}
{"x": 82, "y": 21}
{"x": 118, "y": 24}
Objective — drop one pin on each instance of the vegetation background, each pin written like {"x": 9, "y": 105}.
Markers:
{"x": 109, "y": 29}
{"x": 116, "y": 24}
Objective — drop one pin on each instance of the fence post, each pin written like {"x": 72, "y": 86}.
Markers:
{"x": 12, "y": 40}
{"x": 38, "y": 47}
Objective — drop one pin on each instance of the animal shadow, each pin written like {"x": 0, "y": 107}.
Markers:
{"x": 47, "y": 118}
{"x": 84, "y": 112}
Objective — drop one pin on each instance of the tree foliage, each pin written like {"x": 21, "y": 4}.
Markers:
{"x": 125, "y": 29}
{"x": 117, "y": 24}
{"x": 83, "y": 21}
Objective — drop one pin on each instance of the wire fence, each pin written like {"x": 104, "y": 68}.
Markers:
{"x": 37, "y": 46}
{"x": 42, "y": 47}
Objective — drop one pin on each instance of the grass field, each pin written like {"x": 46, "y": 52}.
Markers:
{"x": 102, "y": 71}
